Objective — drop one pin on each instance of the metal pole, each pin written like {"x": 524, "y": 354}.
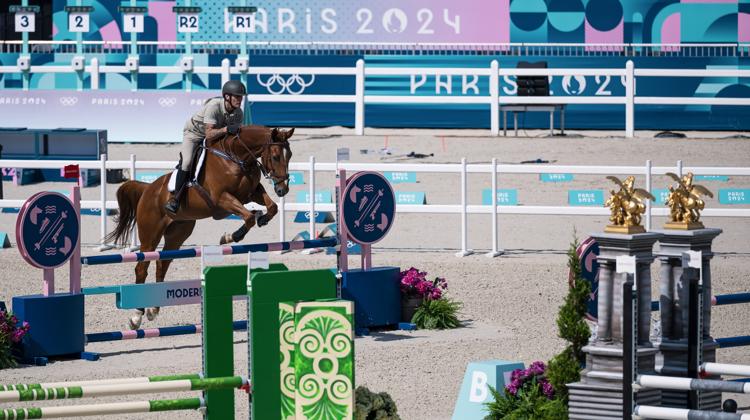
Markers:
{"x": 359, "y": 100}
{"x": 134, "y": 239}
{"x": 464, "y": 222}
{"x": 103, "y": 200}
{"x": 311, "y": 192}
{"x": 495, "y": 240}
{"x": 494, "y": 98}
{"x": 693, "y": 339}
{"x": 95, "y": 75}
{"x": 629, "y": 100}
{"x": 648, "y": 202}
{"x": 629, "y": 366}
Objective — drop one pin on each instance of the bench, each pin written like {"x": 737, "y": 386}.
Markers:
{"x": 517, "y": 108}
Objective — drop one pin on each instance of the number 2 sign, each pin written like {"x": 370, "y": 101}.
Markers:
{"x": 78, "y": 22}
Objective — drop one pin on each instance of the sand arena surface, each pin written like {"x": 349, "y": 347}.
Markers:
{"x": 510, "y": 302}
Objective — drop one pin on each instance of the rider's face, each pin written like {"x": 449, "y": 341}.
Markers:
{"x": 233, "y": 100}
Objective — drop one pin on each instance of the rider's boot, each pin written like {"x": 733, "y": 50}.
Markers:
{"x": 174, "y": 201}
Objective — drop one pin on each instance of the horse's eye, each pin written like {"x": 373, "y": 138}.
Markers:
{"x": 277, "y": 159}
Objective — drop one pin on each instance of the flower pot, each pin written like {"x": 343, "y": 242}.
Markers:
{"x": 409, "y": 306}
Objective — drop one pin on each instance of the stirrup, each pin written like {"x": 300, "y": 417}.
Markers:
{"x": 172, "y": 206}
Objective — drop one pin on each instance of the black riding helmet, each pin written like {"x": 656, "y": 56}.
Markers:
{"x": 233, "y": 87}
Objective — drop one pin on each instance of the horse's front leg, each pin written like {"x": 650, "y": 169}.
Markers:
{"x": 231, "y": 204}
{"x": 260, "y": 196}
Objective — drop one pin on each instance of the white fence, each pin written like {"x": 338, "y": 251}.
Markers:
{"x": 360, "y": 98}
{"x": 463, "y": 208}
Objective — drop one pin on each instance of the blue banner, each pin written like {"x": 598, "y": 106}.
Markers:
{"x": 734, "y": 196}
{"x": 323, "y": 196}
{"x": 661, "y": 195}
{"x": 400, "y": 177}
{"x": 556, "y": 177}
{"x": 296, "y": 178}
{"x": 586, "y": 198}
{"x": 404, "y": 197}
{"x": 505, "y": 197}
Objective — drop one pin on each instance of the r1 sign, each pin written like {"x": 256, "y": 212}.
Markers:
{"x": 187, "y": 22}
{"x": 241, "y": 22}
{"x": 78, "y": 22}
{"x": 25, "y": 22}
{"x": 132, "y": 22}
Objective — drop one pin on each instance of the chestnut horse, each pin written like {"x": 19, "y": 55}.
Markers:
{"x": 229, "y": 179}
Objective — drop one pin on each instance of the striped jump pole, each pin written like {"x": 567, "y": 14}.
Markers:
{"x": 86, "y": 391}
{"x": 155, "y": 332}
{"x": 718, "y": 300}
{"x": 689, "y": 384}
{"x": 739, "y": 341}
{"x": 196, "y": 252}
{"x": 725, "y": 369}
{"x": 102, "y": 409}
{"x": 665, "y": 413}
{"x": 136, "y": 380}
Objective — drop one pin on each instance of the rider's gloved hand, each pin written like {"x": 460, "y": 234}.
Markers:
{"x": 233, "y": 128}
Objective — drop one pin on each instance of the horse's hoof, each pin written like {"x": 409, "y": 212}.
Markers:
{"x": 152, "y": 313}
{"x": 262, "y": 220}
{"x": 225, "y": 239}
{"x": 135, "y": 321}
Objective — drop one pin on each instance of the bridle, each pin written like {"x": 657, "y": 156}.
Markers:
{"x": 255, "y": 159}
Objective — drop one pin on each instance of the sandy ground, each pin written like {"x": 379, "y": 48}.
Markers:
{"x": 510, "y": 302}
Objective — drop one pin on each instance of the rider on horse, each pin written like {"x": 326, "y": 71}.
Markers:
{"x": 218, "y": 116}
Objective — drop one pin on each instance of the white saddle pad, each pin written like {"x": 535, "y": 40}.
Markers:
{"x": 198, "y": 169}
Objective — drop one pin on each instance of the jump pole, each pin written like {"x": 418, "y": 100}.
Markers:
{"x": 86, "y": 391}
{"x": 103, "y": 409}
{"x": 136, "y": 380}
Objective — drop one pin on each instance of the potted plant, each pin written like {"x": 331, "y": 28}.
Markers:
{"x": 415, "y": 288}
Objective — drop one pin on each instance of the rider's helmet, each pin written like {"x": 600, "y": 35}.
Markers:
{"x": 233, "y": 87}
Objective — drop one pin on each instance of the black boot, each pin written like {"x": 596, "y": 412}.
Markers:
{"x": 174, "y": 201}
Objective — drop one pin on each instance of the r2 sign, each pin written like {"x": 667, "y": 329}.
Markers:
{"x": 25, "y": 22}
{"x": 132, "y": 22}
{"x": 241, "y": 22}
{"x": 187, "y": 22}
{"x": 78, "y": 22}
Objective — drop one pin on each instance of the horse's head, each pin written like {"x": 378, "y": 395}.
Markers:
{"x": 275, "y": 158}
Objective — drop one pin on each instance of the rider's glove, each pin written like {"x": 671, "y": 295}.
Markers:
{"x": 233, "y": 128}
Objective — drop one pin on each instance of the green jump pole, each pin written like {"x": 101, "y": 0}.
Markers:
{"x": 71, "y": 392}
{"x": 137, "y": 380}
{"x": 102, "y": 409}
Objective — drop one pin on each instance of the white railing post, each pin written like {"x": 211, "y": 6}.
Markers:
{"x": 494, "y": 98}
{"x": 495, "y": 239}
{"x": 94, "y": 69}
{"x": 629, "y": 100}
{"x": 225, "y": 71}
{"x": 649, "y": 203}
{"x": 134, "y": 234}
{"x": 103, "y": 198}
{"x": 282, "y": 219}
{"x": 679, "y": 168}
{"x": 312, "y": 197}
{"x": 464, "y": 218}
{"x": 359, "y": 101}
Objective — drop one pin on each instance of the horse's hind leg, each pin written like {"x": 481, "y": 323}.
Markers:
{"x": 231, "y": 204}
{"x": 176, "y": 234}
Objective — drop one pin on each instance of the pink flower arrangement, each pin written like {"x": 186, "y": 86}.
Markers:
{"x": 10, "y": 335}
{"x": 523, "y": 379}
{"x": 414, "y": 283}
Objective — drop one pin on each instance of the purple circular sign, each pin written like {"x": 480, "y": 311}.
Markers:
{"x": 368, "y": 207}
{"x": 47, "y": 230}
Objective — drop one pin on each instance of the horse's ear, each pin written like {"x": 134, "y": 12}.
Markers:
{"x": 274, "y": 134}
{"x": 289, "y": 133}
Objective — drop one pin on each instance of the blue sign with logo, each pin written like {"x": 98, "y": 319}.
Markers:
{"x": 324, "y": 196}
{"x": 368, "y": 208}
{"x": 505, "y": 197}
{"x": 719, "y": 178}
{"x": 404, "y": 197}
{"x": 661, "y": 195}
{"x": 296, "y": 178}
{"x": 320, "y": 217}
{"x": 734, "y": 196}
{"x": 148, "y": 176}
{"x": 400, "y": 177}
{"x": 556, "y": 177}
{"x": 586, "y": 198}
{"x": 47, "y": 230}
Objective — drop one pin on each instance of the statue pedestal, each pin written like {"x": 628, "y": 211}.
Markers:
{"x": 673, "y": 306}
{"x": 599, "y": 394}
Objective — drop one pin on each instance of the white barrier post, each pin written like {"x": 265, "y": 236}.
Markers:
{"x": 495, "y": 240}
{"x": 648, "y": 202}
{"x": 679, "y": 168}
{"x": 282, "y": 220}
{"x": 94, "y": 70}
{"x": 225, "y": 71}
{"x": 311, "y": 192}
{"x": 134, "y": 239}
{"x": 359, "y": 104}
{"x": 629, "y": 99}
{"x": 103, "y": 199}
{"x": 494, "y": 98}
{"x": 464, "y": 239}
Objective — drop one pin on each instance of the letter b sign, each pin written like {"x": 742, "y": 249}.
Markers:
{"x": 475, "y": 390}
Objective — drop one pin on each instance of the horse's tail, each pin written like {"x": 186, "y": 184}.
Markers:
{"x": 128, "y": 196}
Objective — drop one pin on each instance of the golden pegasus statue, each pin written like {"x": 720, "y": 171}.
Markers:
{"x": 685, "y": 203}
{"x": 626, "y": 206}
